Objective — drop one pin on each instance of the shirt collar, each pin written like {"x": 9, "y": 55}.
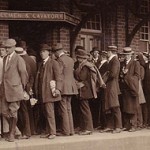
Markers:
{"x": 111, "y": 57}
{"x": 10, "y": 56}
{"x": 45, "y": 60}
{"x": 62, "y": 53}
{"x": 127, "y": 61}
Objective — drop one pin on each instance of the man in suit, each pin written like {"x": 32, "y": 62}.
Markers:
{"x": 130, "y": 75}
{"x": 25, "y": 106}
{"x": 15, "y": 78}
{"x": 69, "y": 88}
{"x": 48, "y": 71}
{"x": 112, "y": 106}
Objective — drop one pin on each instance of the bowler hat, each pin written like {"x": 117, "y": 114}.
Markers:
{"x": 45, "y": 47}
{"x": 94, "y": 49}
{"x": 127, "y": 50}
{"x": 9, "y": 43}
{"x": 57, "y": 47}
{"x": 20, "y": 51}
{"x": 112, "y": 48}
{"x": 82, "y": 54}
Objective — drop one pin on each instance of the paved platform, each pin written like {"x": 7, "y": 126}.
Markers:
{"x": 139, "y": 140}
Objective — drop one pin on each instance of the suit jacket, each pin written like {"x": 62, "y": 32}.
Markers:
{"x": 15, "y": 78}
{"x": 69, "y": 86}
{"x": 31, "y": 69}
{"x": 112, "y": 84}
{"x": 51, "y": 72}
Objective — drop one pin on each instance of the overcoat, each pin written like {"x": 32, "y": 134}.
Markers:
{"x": 112, "y": 86}
{"x": 15, "y": 78}
{"x": 51, "y": 72}
{"x": 69, "y": 86}
{"x": 131, "y": 87}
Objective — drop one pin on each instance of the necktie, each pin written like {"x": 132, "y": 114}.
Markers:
{"x": 7, "y": 60}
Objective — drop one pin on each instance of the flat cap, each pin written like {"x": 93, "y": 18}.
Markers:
{"x": 9, "y": 43}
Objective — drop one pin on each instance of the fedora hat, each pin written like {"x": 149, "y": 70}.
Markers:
{"x": 112, "y": 48}
{"x": 20, "y": 51}
{"x": 82, "y": 54}
{"x": 127, "y": 50}
{"x": 45, "y": 47}
{"x": 9, "y": 43}
{"x": 57, "y": 47}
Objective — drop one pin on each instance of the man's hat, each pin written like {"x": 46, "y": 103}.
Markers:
{"x": 127, "y": 51}
{"x": 20, "y": 51}
{"x": 45, "y": 47}
{"x": 57, "y": 47}
{"x": 9, "y": 43}
{"x": 103, "y": 53}
{"x": 82, "y": 54}
{"x": 94, "y": 49}
{"x": 112, "y": 48}
{"x": 2, "y": 45}
{"x": 22, "y": 44}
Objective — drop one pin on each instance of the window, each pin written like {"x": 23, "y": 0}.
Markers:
{"x": 94, "y": 23}
{"x": 144, "y": 31}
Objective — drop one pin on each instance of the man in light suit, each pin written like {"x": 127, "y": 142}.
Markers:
{"x": 15, "y": 78}
{"x": 69, "y": 88}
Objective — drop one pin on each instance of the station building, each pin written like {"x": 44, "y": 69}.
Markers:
{"x": 51, "y": 21}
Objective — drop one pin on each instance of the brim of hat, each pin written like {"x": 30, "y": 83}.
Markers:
{"x": 85, "y": 57}
{"x": 44, "y": 49}
{"x": 55, "y": 50}
{"x": 123, "y": 53}
{"x": 23, "y": 53}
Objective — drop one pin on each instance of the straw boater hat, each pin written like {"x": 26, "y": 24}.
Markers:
{"x": 112, "y": 48}
{"x": 20, "y": 51}
{"x": 127, "y": 51}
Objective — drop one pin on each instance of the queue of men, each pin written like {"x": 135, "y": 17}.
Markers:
{"x": 58, "y": 96}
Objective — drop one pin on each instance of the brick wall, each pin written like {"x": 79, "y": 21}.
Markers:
{"x": 4, "y": 28}
{"x": 114, "y": 28}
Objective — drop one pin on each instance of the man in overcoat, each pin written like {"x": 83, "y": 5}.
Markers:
{"x": 48, "y": 71}
{"x": 15, "y": 78}
{"x": 90, "y": 79}
{"x": 130, "y": 75}
{"x": 69, "y": 88}
{"x": 112, "y": 106}
{"x": 25, "y": 106}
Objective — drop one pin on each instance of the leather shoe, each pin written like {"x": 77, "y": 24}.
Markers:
{"x": 87, "y": 132}
{"x": 25, "y": 137}
{"x": 62, "y": 134}
{"x": 52, "y": 136}
{"x": 132, "y": 129}
{"x": 117, "y": 130}
{"x": 44, "y": 135}
{"x": 106, "y": 130}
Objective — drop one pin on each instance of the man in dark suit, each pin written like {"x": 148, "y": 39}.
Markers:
{"x": 130, "y": 75}
{"x": 48, "y": 72}
{"x": 69, "y": 88}
{"x": 112, "y": 106}
{"x": 25, "y": 106}
{"x": 15, "y": 78}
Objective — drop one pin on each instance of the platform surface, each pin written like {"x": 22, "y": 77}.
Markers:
{"x": 139, "y": 140}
